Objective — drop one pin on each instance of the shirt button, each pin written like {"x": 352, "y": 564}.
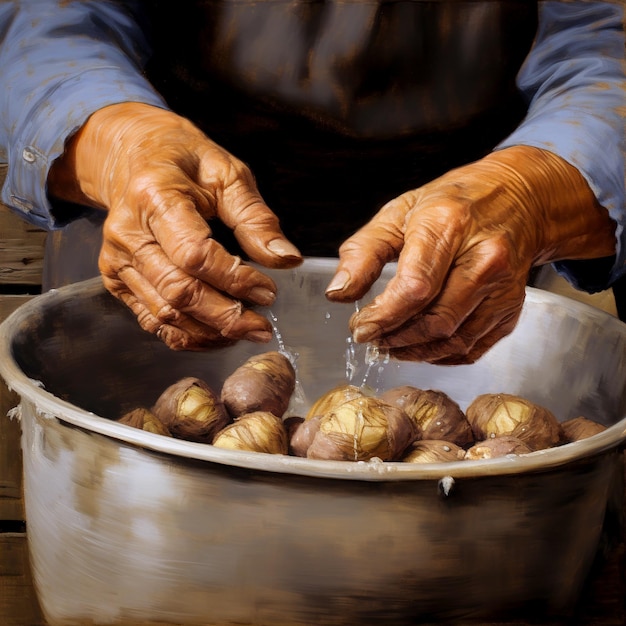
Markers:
{"x": 28, "y": 156}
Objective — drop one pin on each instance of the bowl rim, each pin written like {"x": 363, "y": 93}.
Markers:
{"x": 48, "y": 406}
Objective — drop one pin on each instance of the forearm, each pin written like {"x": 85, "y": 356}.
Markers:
{"x": 59, "y": 63}
{"x": 574, "y": 78}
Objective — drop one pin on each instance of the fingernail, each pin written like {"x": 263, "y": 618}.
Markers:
{"x": 283, "y": 248}
{"x": 262, "y": 295}
{"x": 339, "y": 281}
{"x": 365, "y": 333}
{"x": 259, "y": 336}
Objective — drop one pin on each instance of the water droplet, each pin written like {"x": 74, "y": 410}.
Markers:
{"x": 446, "y": 484}
{"x": 298, "y": 402}
{"x": 351, "y": 361}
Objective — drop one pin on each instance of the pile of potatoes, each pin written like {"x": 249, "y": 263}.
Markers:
{"x": 351, "y": 423}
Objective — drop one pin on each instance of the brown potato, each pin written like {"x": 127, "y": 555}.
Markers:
{"x": 265, "y": 382}
{"x": 433, "y": 451}
{"x": 292, "y": 423}
{"x": 497, "y": 414}
{"x": 361, "y": 429}
{"x": 496, "y": 447}
{"x": 578, "y": 428}
{"x": 260, "y": 431}
{"x": 191, "y": 410}
{"x": 436, "y": 415}
{"x": 302, "y": 436}
{"x": 144, "y": 420}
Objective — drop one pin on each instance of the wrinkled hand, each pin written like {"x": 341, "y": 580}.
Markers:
{"x": 465, "y": 243}
{"x": 160, "y": 179}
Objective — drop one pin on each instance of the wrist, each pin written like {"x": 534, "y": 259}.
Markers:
{"x": 561, "y": 214}
{"x": 76, "y": 175}
{"x": 89, "y": 167}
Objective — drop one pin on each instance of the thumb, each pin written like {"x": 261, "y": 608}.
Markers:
{"x": 363, "y": 256}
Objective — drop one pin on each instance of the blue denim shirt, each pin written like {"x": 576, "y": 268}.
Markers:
{"x": 62, "y": 60}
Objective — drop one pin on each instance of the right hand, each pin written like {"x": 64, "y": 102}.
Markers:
{"x": 465, "y": 243}
{"x": 160, "y": 179}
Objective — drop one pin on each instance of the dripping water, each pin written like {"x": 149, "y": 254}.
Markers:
{"x": 368, "y": 357}
{"x": 298, "y": 402}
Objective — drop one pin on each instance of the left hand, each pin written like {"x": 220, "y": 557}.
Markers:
{"x": 162, "y": 181}
{"x": 465, "y": 243}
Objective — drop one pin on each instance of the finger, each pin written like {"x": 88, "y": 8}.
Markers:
{"x": 470, "y": 342}
{"x": 194, "y": 337}
{"x": 186, "y": 239}
{"x": 254, "y": 225}
{"x": 180, "y": 332}
{"x": 432, "y": 240}
{"x": 482, "y": 273}
{"x": 363, "y": 255}
{"x": 156, "y": 309}
{"x": 166, "y": 291}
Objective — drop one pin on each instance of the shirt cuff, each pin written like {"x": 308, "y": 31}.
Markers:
{"x": 42, "y": 137}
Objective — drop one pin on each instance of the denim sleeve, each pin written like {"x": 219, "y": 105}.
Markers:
{"x": 60, "y": 60}
{"x": 574, "y": 78}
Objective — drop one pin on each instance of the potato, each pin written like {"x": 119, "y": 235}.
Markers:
{"x": 495, "y": 447}
{"x": 144, "y": 420}
{"x": 265, "y": 382}
{"x": 361, "y": 429}
{"x": 191, "y": 410}
{"x": 292, "y": 423}
{"x": 578, "y": 428}
{"x": 433, "y": 451}
{"x": 435, "y": 414}
{"x": 260, "y": 431}
{"x": 301, "y": 438}
{"x": 333, "y": 398}
{"x": 497, "y": 414}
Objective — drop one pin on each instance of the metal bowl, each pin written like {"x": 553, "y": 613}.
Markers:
{"x": 128, "y": 527}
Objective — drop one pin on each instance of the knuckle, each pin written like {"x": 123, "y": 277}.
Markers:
{"x": 238, "y": 171}
{"x": 193, "y": 257}
{"x": 167, "y": 314}
{"x": 443, "y": 324}
{"x": 227, "y": 320}
{"x": 179, "y": 292}
{"x": 495, "y": 259}
{"x": 413, "y": 288}
{"x": 143, "y": 190}
{"x": 459, "y": 345}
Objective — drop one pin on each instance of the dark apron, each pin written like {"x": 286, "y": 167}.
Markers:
{"x": 337, "y": 107}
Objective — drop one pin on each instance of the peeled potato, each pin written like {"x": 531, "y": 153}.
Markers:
{"x": 144, "y": 420}
{"x": 260, "y": 431}
{"x": 191, "y": 410}
{"x": 361, "y": 429}
{"x": 497, "y": 414}
{"x": 436, "y": 415}
{"x": 433, "y": 451}
{"x": 333, "y": 398}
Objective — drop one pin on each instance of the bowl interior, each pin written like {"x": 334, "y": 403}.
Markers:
{"x": 84, "y": 347}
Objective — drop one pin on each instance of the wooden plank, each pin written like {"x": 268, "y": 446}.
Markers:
{"x": 11, "y": 502}
{"x": 18, "y": 601}
{"x": 21, "y": 248}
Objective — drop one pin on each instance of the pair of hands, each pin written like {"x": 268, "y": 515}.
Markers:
{"x": 464, "y": 242}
